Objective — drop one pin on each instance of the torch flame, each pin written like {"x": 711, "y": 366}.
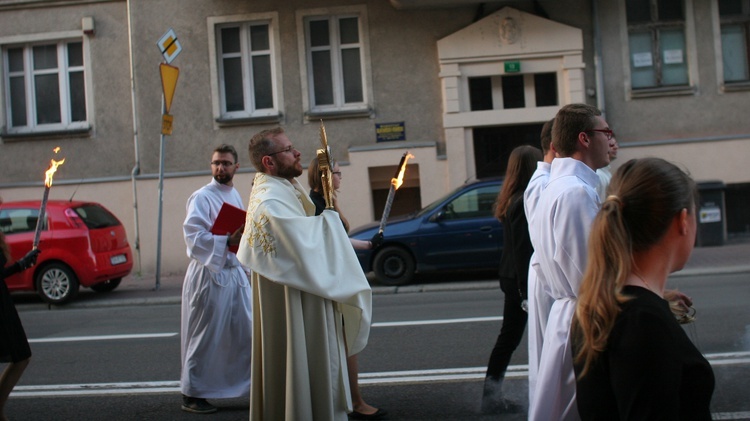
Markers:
{"x": 51, "y": 171}
{"x": 56, "y": 150}
{"x": 398, "y": 181}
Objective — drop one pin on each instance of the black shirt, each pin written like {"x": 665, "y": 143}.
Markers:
{"x": 649, "y": 370}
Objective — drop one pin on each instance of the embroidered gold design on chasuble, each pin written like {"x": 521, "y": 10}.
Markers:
{"x": 258, "y": 231}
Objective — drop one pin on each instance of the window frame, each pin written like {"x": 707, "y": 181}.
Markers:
{"x": 725, "y": 86}
{"x": 689, "y": 54}
{"x": 63, "y": 71}
{"x": 339, "y": 109}
{"x": 250, "y": 115}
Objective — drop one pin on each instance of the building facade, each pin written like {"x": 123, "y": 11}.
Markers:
{"x": 457, "y": 83}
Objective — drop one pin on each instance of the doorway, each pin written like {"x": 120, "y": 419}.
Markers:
{"x": 493, "y": 145}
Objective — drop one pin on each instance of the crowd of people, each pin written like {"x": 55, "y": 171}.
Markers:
{"x": 604, "y": 335}
{"x": 278, "y": 308}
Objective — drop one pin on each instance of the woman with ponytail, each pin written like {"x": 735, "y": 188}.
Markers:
{"x": 632, "y": 358}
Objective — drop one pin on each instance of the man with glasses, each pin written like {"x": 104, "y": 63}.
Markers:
{"x": 216, "y": 325}
{"x": 563, "y": 217}
{"x": 308, "y": 288}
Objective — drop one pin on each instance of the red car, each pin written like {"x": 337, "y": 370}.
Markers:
{"x": 81, "y": 244}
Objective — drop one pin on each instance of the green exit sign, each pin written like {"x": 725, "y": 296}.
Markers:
{"x": 512, "y": 66}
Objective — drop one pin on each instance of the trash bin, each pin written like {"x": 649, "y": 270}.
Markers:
{"x": 712, "y": 224}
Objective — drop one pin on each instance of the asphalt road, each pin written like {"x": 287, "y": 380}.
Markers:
{"x": 425, "y": 359}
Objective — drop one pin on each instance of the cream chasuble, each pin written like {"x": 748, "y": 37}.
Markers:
{"x": 306, "y": 278}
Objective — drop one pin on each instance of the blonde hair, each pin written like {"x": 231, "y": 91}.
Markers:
{"x": 645, "y": 195}
{"x": 315, "y": 181}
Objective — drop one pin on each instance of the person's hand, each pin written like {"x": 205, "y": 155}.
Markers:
{"x": 235, "y": 238}
{"x": 376, "y": 240}
{"x": 29, "y": 260}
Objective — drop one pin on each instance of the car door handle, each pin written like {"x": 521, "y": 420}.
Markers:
{"x": 485, "y": 229}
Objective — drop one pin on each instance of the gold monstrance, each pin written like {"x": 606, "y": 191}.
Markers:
{"x": 326, "y": 170}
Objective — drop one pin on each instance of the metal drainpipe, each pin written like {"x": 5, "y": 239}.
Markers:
{"x": 137, "y": 167}
{"x": 598, "y": 60}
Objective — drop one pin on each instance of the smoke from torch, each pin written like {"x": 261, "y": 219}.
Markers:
{"x": 48, "y": 175}
{"x": 396, "y": 182}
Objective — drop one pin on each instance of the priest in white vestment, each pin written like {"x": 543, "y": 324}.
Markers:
{"x": 309, "y": 293}
{"x": 216, "y": 324}
{"x": 567, "y": 207}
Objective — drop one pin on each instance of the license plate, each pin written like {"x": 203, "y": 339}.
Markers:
{"x": 116, "y": 260}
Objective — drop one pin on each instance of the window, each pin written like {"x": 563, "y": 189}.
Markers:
{"x": 656, "y": 35}
{"x": 335, "y": 56}
{"x": 246, "y": 70}
{"x": 513, "y": 91}
{"x": 735, "y": 34}
{"x": 45, "y": 87}
{"x": 474, "y": 203}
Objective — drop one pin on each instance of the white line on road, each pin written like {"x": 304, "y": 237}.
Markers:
{"x": 380, "y": 378}
{"x": 438, "y": 322}
{"x": 103, "y": 337}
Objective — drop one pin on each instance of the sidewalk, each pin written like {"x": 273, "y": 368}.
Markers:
{"x": 733, "y": 257}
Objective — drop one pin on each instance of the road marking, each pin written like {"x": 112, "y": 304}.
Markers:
{"x": 438, "y": 322}
{"x": 103, "y": 337}
{"x": 380, "y": 378}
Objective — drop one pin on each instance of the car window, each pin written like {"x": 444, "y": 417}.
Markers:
{"x": 95, "y": 216}
{"x": 14, "y": 221}
{"x": 474, "y": 203}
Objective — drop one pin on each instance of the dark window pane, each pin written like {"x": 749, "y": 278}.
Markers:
{"x": 670, "y": 10}
{"x": 45, "y": 57}
{"x": 322, "y": 78}
{"x": 47, "y": 99}
{"x": 638, "y": 11}
{"x": 18, "y": 101}
{"x": 480, "y": 93}
{"x": 230, "y": 40}
{"x": 319, "y": 33}
{"x": 513, "y": 96}
{"x": 545, "y": 87}
{"x": 262, "y": 82}
{"x": 15, "y": 59}
{"x": 75, "y": 54}
{"x": 352, "y": 75}
{"x": 95, "y": 216}
{"x": 233, "y": 94}
{"x": 730, "y": 7}
{"x": 77, "y": 97}
{"x": 259, "y": 38}
{"x": 349, "y": 28}
{"x": 734, "y": 53}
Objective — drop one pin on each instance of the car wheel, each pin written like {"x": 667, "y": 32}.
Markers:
{"x": 394, "y": 266}
{"x": 56, "y": 283}
{"x": 107, "y": 286}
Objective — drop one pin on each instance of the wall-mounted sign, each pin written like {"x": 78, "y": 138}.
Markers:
{"x": 386, "y": 132}
{"x": 512, "y": 66}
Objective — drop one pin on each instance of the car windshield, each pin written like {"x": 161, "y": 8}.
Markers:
{"x": 96, "y": 216}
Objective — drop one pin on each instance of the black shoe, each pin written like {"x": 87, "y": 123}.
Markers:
{"x": 502, "y": 406}
{"x": 380, "y": 414}
{"x": 197, "y": 405}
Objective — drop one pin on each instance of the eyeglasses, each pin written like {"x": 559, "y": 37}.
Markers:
{"x": 607, "y": 132}
{"x": 287, "y": 149}
{"x": 224, "y": 164}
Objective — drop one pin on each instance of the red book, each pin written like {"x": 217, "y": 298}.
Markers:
{"x": 230, "y": 218}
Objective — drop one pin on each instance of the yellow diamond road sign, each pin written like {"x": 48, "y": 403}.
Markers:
{"x": 169, "y": 45}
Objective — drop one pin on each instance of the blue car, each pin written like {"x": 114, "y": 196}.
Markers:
{"x": 456, "y": 232}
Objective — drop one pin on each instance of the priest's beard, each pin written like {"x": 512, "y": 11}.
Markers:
{"x": 289, "y": 172}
